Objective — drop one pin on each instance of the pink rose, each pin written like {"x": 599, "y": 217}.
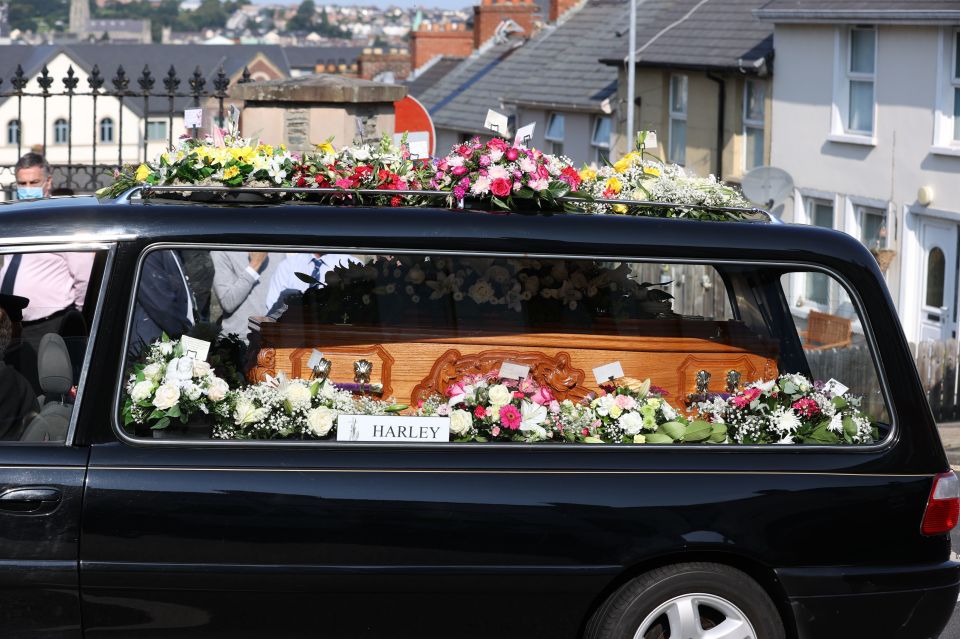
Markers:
{"x": 512, "y": 154}
{"x": 460, "y": 170}
{"x": 500, "y": 187}
{"x": 625, "y": 402}
{"x": 456, "y": 389}
{"x": 495, "y": 431}
{"x": 554, "y": 406}
{"x": 542, "y": 396}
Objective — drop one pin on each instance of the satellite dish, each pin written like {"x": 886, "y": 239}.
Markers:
{"x": 767, "y": 186}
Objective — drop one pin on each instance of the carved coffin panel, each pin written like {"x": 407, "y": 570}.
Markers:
{"x": 555, "y": 372}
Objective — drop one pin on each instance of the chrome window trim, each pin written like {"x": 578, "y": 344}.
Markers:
{"x": 111, "y": 249}
{"x": 332, "y": 444}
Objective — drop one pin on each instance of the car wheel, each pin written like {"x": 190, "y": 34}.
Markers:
{"x": 688, "y": 601}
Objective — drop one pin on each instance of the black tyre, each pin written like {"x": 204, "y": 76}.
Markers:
{"x": 688, "y": 601}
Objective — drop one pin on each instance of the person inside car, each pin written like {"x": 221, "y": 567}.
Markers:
{"x": 18, "y": 403}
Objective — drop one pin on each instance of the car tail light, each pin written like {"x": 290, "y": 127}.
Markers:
{"x": 943, "y": 506}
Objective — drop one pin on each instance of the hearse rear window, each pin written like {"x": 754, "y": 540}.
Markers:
{"x": 426, "y": 349}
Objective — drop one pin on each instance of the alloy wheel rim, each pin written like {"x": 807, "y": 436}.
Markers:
{"x": 686, "y": 615}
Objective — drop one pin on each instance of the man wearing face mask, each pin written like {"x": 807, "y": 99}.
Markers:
{"x": 34, "y": 178}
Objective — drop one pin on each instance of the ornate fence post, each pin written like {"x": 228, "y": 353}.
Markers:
{"x": 45, "y": 82}
{"x": 197, "y": 82}
{"x": 19, "y": 81}
{"x": 95, "y": 80}
{"x": 120, "y": 84}
{"x": 70, "y": 84}
{"x": 146, "y": 82}
{"x": 220, "y": 84}
{"x": 171, "y": 83}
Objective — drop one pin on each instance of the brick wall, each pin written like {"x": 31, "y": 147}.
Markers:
{"x": 490, "y": 13}
{"x": 560, "y": 7}
{"x": 372, "y": 62}
{"x": 453, "y": 40}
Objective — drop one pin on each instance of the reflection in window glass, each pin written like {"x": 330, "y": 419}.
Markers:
{"x": 936, "y": 268}
{"x": 820, "y": 213}
{"x": 492, "y": 349}
{"x": 46, "y": 309}
{"x": 862, "y": 50}
{"x": 872, "y": 226}
{"x": 861, "y": 106}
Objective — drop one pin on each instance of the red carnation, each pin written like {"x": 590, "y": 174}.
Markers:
{"x": 479, "y": 412}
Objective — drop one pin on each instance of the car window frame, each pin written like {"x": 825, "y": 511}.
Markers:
{"x": 855, "y": 299}
{"x": 13, "y": 246}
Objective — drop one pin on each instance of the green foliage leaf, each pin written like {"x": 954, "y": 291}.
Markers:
{"x": 821, "y": 435}
{"x": 658, "y": 438}
{"x": 849, "y": 427}
{"x": 592, "y": 440}
{"x": 160, "y": 425}
{"x": 697, "y": 431}
{"x": 839, "y": 402}
{"x": 673, "y": 430}
{"x": 306, "y": 279}
{"x": 174, "y": 411}
{"x": 718, "y": 433}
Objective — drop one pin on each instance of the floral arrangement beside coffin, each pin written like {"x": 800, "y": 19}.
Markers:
{"x": 485, "y": 408}
{"x": 640, "y": 176}
{"x": 460, "y": 291}
{"x": 633, "y": 411}
{"x": 283, "y": 408}
{"x": 507, "y": 175}
{"x": 169, "y": 387}
{"x": 791, "y": 410}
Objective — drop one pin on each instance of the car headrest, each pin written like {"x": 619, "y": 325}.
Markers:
{"x": 53, "y": 365}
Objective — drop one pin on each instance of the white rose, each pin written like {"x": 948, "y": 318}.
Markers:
{"x": 668, "y": 413}
{"x": 460, "y": 422}
{"x": 245, "y": 412}
{"x": 327, "y": 390}
{"x": 631, "y": 422}
{"x": 153, "y": 371}
{"x": 500, "y": 395}
{"x": 192, "y": 391}
{"x": 217, "y": 390}
{"x": 298, "y": 395}
{"x": 200, "y": 368}
{"x": 167, "y": 396}
{"x": 320, "y": 420}
{"x": 166, "y": 348}
{"x": 141, "y": 391}
{"x": 180, "y": 369}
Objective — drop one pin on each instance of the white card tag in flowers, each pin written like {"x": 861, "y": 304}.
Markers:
{"x": 314, "y": 360}
{"x": 192, "y": 118}
{"x": 496, "y": 122}
{"x": 509, "y": 370}
{"x": 195, "y": 348}
{"x": 392, "y": 428}
{"x": 233, "y": 114}
{"x": 650, "y": 142}
{"x": 605, "y": 373}
{"x": 525, "y": 135}
{"x": 836, "y": 387}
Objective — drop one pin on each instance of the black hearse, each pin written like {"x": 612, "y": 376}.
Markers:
{"x": 109, "y": 528}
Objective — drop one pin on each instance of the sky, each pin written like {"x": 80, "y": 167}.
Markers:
{"x": 434, "y": 4}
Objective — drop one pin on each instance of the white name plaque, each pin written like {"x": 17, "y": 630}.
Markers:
{"x": 605, "y": 373}
{"x": 509, "y": 370}
{"x": 392, "y": 428}
{"x": 197, "y": 348}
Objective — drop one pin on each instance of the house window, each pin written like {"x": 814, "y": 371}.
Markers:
{"x": 13, "y": 132}
{"x": 861, "y": 74}
{"x": 554, "y": 134}
{"x": 754, "y": 99}
{"x": 157, "y": 130}
{"x": 955, "y": 84}
{"x": 106, "y": 130}
{"x": 61, "y": 131}
{"x": 601, "y": 139}
{"x": 936, "y": 268}
{"x": 678, "y": 119}
{"x": 819, "y": 213}
{"x": 873, "y": 226}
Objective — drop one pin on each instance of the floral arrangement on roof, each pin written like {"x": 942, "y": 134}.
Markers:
{"x": 640, "y": 176}
{"x": 508, "y": 175}
{"x": 447, "y": 291}
{"x": 283, "y": 408}
{"x": 791, "y": 409}
{"x": 170, "y": 386}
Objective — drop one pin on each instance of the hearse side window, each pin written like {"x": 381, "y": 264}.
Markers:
{"x": 425, "y": 349}
{"x": 47, "y": 304}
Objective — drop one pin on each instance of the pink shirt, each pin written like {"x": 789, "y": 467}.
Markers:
{"x": 51, "y": 281}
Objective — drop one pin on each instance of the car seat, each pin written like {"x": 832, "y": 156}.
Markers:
{"x": 56, "y": 380}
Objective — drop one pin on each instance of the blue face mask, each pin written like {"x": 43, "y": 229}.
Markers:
{"x": 29, "y": 192}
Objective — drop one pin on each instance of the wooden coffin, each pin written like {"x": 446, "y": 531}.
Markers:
{"x": 413, "y": 363}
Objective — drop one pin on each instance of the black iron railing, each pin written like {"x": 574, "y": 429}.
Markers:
{"x": 94, "y": 171}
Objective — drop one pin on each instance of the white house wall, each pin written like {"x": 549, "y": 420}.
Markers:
{"x": 889, "y": 172}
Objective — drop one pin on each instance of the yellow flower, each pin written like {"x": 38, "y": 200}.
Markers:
{"x": 614, "y": 185}
{"x": 231, "y": 172}
{"x": 619, "y": 208}
{"x": 586, "y": 173}
{"x": 264, "y": 148}
{"x": 651, "y": 170}
{"x": 639, "y": 439}
{"x": 143, "y": 172}
{"x": 621, "y": 165}
{"x": 326, "y": 147}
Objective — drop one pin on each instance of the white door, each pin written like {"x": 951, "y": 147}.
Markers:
{"x": 938, "y": 286}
